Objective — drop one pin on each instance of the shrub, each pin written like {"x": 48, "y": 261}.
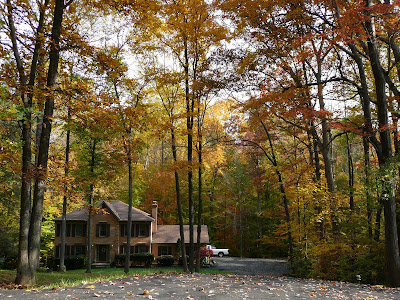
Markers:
{"x": 301, "y": 267}
{"x": 10, "y": 263}
{"x": 75, "y": 262}
{"x": 369, "y": 264}
{"x": 165, "y": 260}
{"x": 145, "y": 259}
{"x": 327, "y": 258}
{"x": 180, "y": 260}
{"x": 119, "y": 260}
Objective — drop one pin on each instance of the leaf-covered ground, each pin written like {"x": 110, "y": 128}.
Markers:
{"x": 206, "y": 286}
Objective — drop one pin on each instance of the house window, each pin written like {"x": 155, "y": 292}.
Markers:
{"x": 123, "y": 229}
{"x": 122, "y": 249}
{"x": 134, "y": 249}
{"x": 71, "y": 250}
{"x": 141, "y": 249}
{"x": 142, "y": 230}
{"x": 74, "y": 229}
{"x": 79, "y": 249}
{"x": 58, "y": 229}
{"x": 102, "y": 230}
{"x": 79, "y": 229}
{"x": 164, "y": 250}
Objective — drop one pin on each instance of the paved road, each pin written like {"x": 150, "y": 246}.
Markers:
{"x": 252, "y": 266}
{"x": 219, "y": 287}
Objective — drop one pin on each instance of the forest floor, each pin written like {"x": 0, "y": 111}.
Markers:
{"x": 269, "y": 285}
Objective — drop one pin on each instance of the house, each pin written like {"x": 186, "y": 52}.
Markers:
{"x": 109, "y": 227}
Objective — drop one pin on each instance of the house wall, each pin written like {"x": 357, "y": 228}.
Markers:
{"x": 114, "y": 241}
{"x": 111, "y": 240}
{"x": 154, "y": 249}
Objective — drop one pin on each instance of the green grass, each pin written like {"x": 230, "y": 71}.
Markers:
{"x": 77, "y": 277}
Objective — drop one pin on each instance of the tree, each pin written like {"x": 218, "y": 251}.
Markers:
{"x": 29, "y": 239}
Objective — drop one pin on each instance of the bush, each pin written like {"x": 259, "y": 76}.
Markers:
{"x": 119, "y": 260}
{"x": 180, "y": 260}
{"x": 70, "y": 262}
{"x": 301, "y": 267}
{"x": 165, "y": 260}
{"x": 326, "y": 260}
{"x": 10, "y": 263}
{"x": 145, "y": 259}
{"x": 75, "y": 262}
{"x": 53, "y": 263}
{"x": 370, "y": 265}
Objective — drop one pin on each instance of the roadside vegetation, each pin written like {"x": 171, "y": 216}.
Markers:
{"x": 77, "y": 277}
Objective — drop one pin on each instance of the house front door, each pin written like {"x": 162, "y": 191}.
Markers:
{"x": 103, "y": 253}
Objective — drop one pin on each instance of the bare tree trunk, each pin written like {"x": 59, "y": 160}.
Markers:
{"x": 129, "y": 225}
{"x": 65, "y": 202}
{"x": 189, "y": 125}
{"x": 259, "y": 224}
{"x": 388, "y": 198}
{"x": 351, "y": 173}
{"x": 200, "y": 204}
{"x": 285, "y": 200}
{"x": 43, "y": 152}
{"x": 90, "y": 211}
{"x": 179, "y": 203}
{"x": 367, "y": 186}
{"x": 24, "y": 273}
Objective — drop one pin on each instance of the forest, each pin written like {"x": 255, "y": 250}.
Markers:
{"x": 275, "y": 123}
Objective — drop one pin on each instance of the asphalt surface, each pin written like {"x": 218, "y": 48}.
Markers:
{"x": 221, "y": 287}
{"x": 252, "y": 266}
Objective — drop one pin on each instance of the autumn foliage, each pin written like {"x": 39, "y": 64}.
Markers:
{"x": 275, "y": 123}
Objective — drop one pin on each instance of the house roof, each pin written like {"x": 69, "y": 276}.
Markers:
{"x": 169, "y": 234}
{"x": 118, "y": 208}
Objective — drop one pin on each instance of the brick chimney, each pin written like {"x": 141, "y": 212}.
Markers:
{"x": 154, "y": 211}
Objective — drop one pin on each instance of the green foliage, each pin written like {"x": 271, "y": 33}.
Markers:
{"x": 71, "y": 262}
{"x": 369, "y": 264}
{"x": 165, "y": 260}
{"x": 119, "y": 260}
{"x": 145, "y": 259}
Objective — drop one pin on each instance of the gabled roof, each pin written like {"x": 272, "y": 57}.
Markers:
{"x": 118, "y": 208}
{"x": 169, "y": 234}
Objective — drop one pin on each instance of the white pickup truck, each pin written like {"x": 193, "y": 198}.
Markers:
{"x": 219, "y": 252}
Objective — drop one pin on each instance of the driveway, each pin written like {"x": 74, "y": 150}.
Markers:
{"x": 252, "y": 266}
{"x": 252, "y": 279}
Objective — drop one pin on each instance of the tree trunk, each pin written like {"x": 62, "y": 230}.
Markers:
{"x": 285, "y": 200}
{"x": 179, "y": 203}
{"x": 43, "y": 151}
{"x": 259, "y": 224}
{"x": 129, "y": 225}
{"x": 189, "y": 126}
{"x": 24, "y": 274}
{"x": 351, "y": 173}
{"x": 65, "y": 201}
{"x": 200, "y": 204}
{"x": 367, "y": 186}
{"x": 388, "y": 198}
{"x": 90, "y": 211}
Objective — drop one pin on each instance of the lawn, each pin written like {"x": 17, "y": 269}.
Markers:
{"x": 76, "y": 277}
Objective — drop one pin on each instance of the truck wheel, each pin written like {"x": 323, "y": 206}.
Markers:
{"x": 220, "y": 254}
